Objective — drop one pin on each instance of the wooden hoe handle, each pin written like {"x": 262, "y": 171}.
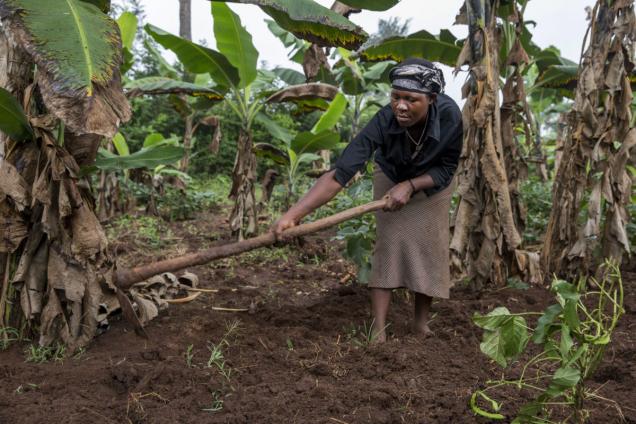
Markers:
{"x": 124, "y": 278}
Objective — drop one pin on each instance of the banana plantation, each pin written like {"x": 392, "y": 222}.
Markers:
{"x": 168, "y": 254}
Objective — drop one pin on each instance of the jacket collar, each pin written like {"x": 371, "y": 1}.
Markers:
{"x": 432, "y": 129}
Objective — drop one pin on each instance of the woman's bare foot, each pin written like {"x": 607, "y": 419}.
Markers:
{"x": 423, "y": 329}
{"x": 378, "y": 334}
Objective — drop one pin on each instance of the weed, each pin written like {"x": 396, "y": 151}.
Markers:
{"x": 362, "y": 336}
{"x": 79, "y": 353}
{"x": 290, "y": 345}
{"x": 29, "y": 387}
{"x": 189, "y": 356}
{"x": 217, "y": 357}
{"x": 42, "y": 354}
{"x": 217, "y": 402}
{"x": 8, "y": 335}
{"x": 149, "y": 230}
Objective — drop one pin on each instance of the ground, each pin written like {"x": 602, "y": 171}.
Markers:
{"x": 300, "y": 355}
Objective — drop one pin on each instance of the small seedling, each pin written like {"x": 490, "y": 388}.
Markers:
{"x": 217, "y": 403}
{"x": 362, "y": 336}
{"x": 8, "y": 335}
{"x": 290, "y": 345}
{"x": 189, "y": 356}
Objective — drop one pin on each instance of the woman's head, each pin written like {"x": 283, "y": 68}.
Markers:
{"x": 415, "y": 84}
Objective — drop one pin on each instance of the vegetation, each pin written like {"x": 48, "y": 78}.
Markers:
{"x": 103, "y": 138}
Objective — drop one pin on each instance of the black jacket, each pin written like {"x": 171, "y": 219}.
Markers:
{"x": 384, "y": 136}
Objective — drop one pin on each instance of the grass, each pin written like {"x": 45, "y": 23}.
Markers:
{"x": 217, "y": 402}
{"x": 149, "y": 230}
{"x": 362, "y": 336}
{"x": 7, "y": 336}
{"x": 217, "y": 354}
{"x": 43, "y": 354}
{"x": 189, "y": 356}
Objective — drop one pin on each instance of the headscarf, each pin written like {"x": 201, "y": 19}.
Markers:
{"x": 417, "y": 75}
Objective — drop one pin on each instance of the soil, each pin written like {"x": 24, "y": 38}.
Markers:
{"x": 298, "y": 355}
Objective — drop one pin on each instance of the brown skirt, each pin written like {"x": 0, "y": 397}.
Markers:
{"x": 411, "y": 246}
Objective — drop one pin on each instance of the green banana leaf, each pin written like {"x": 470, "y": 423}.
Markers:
{"x": 73, "y": 40}
{"x": 310, "y": 21}
{"x": 274, "y": 129}
{"x": 165, "y": 69}
{"x": 376, "y": 5}
{"x": 443, "y": 48}
{"x": 13, "y": 121}
{"x": 296, "y": 46}
{"x": 162, "y": 85}
{"x": 289, "y": 76}
{"x": 127, "y": 23}
{"x": 121, "y": 145}
{"x": 330, "y": 118}
{"x": 144, "y": 158}
{"x": 234, "y": 42}
{"x": 308, "y": 142}
{"x": 103, "y": 5}
{"x": 196, "y": 58}
{"x": 77, "y": 49}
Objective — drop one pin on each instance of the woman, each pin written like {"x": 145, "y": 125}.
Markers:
{"x": 417, "y": 140}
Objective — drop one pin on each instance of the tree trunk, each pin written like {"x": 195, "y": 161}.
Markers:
{"x": 485, "y": 237}
{"x": 243, "y": 217}
{"x": 185, "y": 19}
{"x": 592, "y": 179}
{"x": 187, "y": 142}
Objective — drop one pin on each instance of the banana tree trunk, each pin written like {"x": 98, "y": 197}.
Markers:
{"x": 59, "y": 268}
{"x": 187, "y": 142}
{"x": 485, "y": 236}
{"x": 592, "y": 179}
{"x": 243, "y": 218}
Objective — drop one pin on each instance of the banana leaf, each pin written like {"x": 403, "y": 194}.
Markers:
{"x": 13, "y": 121}
{"x": 310, "y": 21}
{"x": 162, "y": 85}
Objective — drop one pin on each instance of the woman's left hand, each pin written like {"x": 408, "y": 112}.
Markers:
{"x": 398, "y": 196}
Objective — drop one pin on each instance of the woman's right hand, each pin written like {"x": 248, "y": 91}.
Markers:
{"x": 286, "y": 221}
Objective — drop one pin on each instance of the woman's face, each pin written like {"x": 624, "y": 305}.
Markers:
{"x": 410, "y": 108}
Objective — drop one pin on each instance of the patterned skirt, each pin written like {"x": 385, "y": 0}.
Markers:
{"x": 412, "y": 244}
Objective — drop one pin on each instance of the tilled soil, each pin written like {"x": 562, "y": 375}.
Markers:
{"x": 298, "y": 356}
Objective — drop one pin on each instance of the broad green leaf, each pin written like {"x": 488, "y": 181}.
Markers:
{"x": 377, "y": 70}
{"x": 165, "y": 69}
{"x": 290, "y": 76}
{"x": 308, "y": 158}
{"x": 163, "y": 85}
{"x": 274, "y": 129}
{"x": 73, "y": 40}
{"x": 308, "y": 142}
{"x": 493, "y": 347}
{"x": 545, "y": 322}
{"x": 197, "y": 59}
{"x": 152, "y": 140}
{"x": 145, "y": 158}
{"x": 506, "y": 334}
{"x": 296, "y": 46}
{"x": 559, "y": 76}
{"x": 420, "y": 44}
{"x": 269, "y": 151}
{"x": 234, "y": 42}
{"x": 492, "y": 320}
{"x": 120, "y": 145}
{"x": 77, "y": 49}
{"x": 564, "y": 378}
{"x": 128, "y": 27}
{"x": 103, "y": 5}
{"x": 13, "y": 121}
{"x": 376, "y": 5}
{"x": 310, "y": 21}
{"x": 330, "y": 118}
{"x": 493, "y": 405}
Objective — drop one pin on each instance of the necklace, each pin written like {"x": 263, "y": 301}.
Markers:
{"x": 419, "y": 141}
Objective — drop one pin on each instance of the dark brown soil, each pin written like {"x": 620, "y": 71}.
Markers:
{"x": 297, "y": 357}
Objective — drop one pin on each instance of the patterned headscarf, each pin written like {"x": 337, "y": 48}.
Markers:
{"x": 418, "y": 78}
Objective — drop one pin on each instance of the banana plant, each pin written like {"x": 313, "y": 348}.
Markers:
{"x": 233, "y": 68}
{"x": 63, "y": 95}
{"x": 304, "y": 146}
